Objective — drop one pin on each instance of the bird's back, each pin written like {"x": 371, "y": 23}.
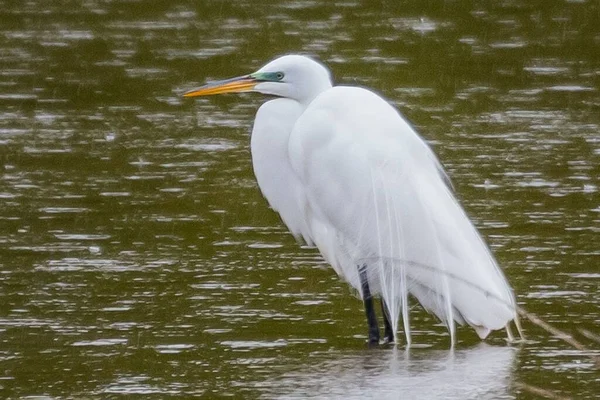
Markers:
{"x": 376, "y": 195}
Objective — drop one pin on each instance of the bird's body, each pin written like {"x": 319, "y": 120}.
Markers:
{"x": 347, "y": 173}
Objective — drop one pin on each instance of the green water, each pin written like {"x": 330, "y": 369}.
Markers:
{"x": 139, "y": 260}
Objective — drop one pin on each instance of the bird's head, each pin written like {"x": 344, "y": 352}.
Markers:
{"x": 293, "y": 76}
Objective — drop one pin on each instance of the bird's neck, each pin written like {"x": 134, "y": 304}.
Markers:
{"x": 311, "y": 93}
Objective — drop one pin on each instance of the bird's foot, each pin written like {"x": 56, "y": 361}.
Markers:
{"x": 388, "y": 339}
{"x": 388, "y": 333}
{"x": 376, "y": 343}
{"x": 373, "y": 340}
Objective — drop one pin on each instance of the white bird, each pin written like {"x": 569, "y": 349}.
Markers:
{"x": 347, "y": 173}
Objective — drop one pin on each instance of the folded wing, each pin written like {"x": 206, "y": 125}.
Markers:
{"x": 376, "y": 195}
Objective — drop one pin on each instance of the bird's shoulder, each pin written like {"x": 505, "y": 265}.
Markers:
{"x": 353, "y": 125}
{"x": 355, "y": 111}
{"x": 355, "y": 117}
{"x": 342, "y": 99}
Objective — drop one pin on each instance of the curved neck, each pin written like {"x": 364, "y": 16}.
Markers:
{"x": 307, "y": 94}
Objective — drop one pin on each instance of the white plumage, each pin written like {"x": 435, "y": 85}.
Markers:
{"x": 269, "y": 148}
{"x": 346, "y": 172}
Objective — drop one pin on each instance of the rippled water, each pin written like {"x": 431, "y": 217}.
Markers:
{"x": 138, "y": 257}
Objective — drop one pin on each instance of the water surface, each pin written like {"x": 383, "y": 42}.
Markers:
{"x": 138, "y": 257}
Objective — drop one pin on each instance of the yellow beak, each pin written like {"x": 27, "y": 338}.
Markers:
{"x": 234, "y": 85}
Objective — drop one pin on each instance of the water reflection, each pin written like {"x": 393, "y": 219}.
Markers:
{"x": 481, "y": 372}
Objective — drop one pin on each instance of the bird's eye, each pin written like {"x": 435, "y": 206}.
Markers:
{"x": 279, "y": 76}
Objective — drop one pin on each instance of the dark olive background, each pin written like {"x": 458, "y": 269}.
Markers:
{"x": 138, "y": 258}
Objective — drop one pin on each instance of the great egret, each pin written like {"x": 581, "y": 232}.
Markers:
{"x": 347, "y": 173}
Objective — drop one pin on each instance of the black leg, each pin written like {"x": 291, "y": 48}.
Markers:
{"x": 388, "y": 334}
{"x": 369, "y": 310}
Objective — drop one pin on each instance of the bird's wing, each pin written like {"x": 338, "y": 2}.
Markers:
{"x": 269, "y": 147}
{"x": 374, "y": 188}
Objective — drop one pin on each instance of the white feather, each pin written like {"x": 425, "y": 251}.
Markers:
{"x": 346, "y": 172}
{"x": 376, "y": 187}
{"x": 269, "y": 147}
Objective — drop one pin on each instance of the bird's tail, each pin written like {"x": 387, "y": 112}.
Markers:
{"x": 421, "y": 242}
